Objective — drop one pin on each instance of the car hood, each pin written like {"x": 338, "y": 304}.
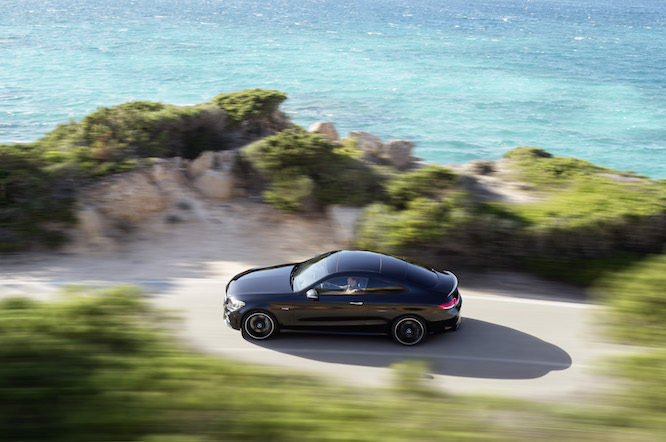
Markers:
{"x": 263, "y": 280}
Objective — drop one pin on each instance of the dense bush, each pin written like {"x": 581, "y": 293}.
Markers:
{"x": 250, "y": 104}
{"x": 430, "y": 182}
{"x": 32, "y": 199}
{"x": 295, "y": 160}
{"x": 113, "y": 135}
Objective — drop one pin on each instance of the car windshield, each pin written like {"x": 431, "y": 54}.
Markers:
{"x": 309, "y": 272}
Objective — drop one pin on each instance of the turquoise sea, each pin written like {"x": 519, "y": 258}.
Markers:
{"x": 465, "y": 79}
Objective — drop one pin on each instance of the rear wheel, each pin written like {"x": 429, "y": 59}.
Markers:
{"x": 259, "y": 325}
{"x": 408, "y": 330}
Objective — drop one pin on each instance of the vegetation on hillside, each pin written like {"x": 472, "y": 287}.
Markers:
{"x": 32, "y": 198}
{"x": 38, "y": 180}
{"x": 94, "y": 366}
{"x": 586, "y": 213}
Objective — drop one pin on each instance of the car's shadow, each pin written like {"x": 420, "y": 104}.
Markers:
{"x": 478, "y": 349}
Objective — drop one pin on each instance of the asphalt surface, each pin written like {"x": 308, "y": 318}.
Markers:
{"x": 522, "y": 347}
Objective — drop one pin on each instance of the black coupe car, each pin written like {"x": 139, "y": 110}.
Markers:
{"x": 344, "y": 291}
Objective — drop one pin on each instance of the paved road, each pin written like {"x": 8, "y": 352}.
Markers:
{"x": 521, "y": 347}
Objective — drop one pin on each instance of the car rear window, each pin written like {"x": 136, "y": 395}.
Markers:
{"x": 421, "y": 276}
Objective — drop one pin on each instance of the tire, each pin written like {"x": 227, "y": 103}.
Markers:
{"x": 409, "y": 330}
{"x": 259, "y": 325}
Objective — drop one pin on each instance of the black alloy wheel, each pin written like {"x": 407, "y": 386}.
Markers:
{"x": 408, "y": 330}
{"x": 259, "y": 326}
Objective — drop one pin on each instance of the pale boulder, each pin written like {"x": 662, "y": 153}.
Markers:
{"x": 370, "y": 144}
{"x": 399, "y": 152}
{"x": 130, "y": 197}
{"x": 92, "y": 227}
{"x": 206, "y": 160}
{"x": 215, "y": 184}
{"x": 326, "y": 129}
{"x": 168, "y": 174}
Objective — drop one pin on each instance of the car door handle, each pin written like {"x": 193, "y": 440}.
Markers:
{"x": 356, "y": 303}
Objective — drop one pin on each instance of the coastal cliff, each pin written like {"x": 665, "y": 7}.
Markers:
{"x": 149, "y": 162}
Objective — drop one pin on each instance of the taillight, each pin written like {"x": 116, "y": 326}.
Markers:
{"x": 448, "y": 305}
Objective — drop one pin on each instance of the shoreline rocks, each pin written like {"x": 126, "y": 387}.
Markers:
{"x": 396, "y": 152}
{"x": 326, "y": 129}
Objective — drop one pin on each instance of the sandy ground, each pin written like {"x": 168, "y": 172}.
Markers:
{"x": 519, "y": 337}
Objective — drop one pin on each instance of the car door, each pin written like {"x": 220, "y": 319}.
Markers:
{"x": 383, "y": 300}
{"x": 339, "y": 306}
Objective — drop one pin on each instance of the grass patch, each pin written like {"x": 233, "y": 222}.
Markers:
{"x": 536, "y": 166}
{"x": 594, "y": 201}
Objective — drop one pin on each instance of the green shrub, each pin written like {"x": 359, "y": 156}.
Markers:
{"x": 295, "y": 153}
{"x": 429, "y": 182}
{"x": 423, "y": 224}
{"x": 32, "y": 199}
{"x": 289, "y": 192}
{"x": 250, "y": 103}
{"x": 137, "y": 130}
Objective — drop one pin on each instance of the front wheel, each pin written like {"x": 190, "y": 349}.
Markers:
{"x": 408, "y": 330}
{"x": 259, "y": 326}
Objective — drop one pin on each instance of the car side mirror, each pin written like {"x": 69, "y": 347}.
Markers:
{"x": 312, "y": 295}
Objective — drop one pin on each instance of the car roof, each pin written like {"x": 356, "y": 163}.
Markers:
{"x": 364, "y": 261}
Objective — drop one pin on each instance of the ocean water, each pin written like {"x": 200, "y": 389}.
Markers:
{"x": 464, "y": 79}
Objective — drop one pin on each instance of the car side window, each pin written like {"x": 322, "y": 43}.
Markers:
{"x": 342, "y": 285}
{"x": 380, "y": 286}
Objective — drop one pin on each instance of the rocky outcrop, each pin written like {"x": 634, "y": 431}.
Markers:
{"x": 205, "y": 161}
{"x": 370, "y": 144}
{"x": 215, "y": 184}
{"x": 172, "y": 190}
{"x": 129, "y": 197}
{"x": 326, "y": 129}
{"x": 395, "y": 152}
{"x": 399, "y": 152}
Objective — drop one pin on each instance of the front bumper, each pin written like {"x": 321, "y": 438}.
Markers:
{"x": 233, "y": 318}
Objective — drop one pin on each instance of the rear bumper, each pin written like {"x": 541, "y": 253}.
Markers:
{"x": 447, "y": 324}
{"x": 442, "y": 326}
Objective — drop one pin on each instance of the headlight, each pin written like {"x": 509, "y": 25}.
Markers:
{"x": 234, "y": 304}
